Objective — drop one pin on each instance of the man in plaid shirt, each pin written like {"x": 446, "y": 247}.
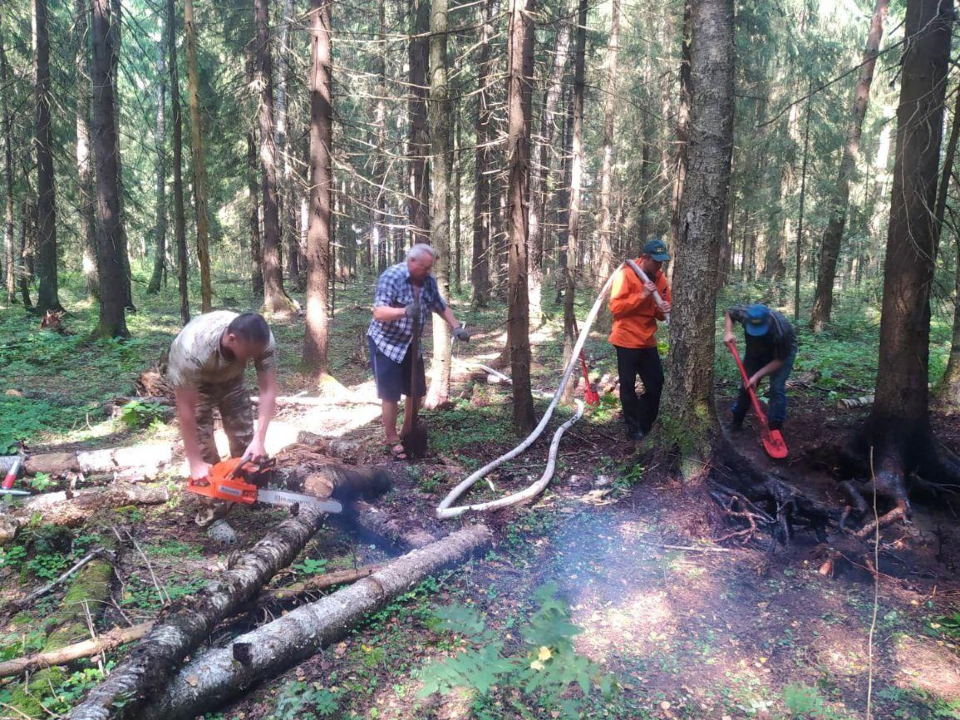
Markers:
{"x": 404, "y": 291}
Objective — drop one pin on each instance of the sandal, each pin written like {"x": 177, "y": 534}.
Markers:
{"x": 397, "y": 451}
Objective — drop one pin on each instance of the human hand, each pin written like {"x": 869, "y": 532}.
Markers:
{"x": 754, "y": 381}
{"x": 412, "y": 310}
{"x": 665, "y": 307}
{"x": 461, "y": 334}
{"x": 199, "y": 469}
{"x": 729, "y": 339}
{"x": 254, "y": 450}
{"x": 650, "y": 286}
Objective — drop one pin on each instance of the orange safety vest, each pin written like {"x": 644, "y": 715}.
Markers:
{"x": 635, "y": 312}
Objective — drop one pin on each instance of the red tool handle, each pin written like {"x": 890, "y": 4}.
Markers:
{"x": 11, "y": 477}
{"x": 772, "y": 440}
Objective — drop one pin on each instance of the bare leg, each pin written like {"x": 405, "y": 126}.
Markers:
{"x": 388, "y": 413}
{"x": 407, "y": 416}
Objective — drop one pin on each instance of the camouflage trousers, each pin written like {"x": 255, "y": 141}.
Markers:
{"x": 236, "y": 412}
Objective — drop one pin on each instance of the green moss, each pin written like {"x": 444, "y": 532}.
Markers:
{"x": 28, "y": 699}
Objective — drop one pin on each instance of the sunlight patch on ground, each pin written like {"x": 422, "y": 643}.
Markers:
{"x": 925, "y": 663}
{"x": 643, "y": 622}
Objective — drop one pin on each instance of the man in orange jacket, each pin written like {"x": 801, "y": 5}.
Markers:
{"x": 635, "y": 315}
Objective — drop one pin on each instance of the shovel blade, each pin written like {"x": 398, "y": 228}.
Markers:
{"x": 774, "y": 444}
{"x": 415, "y": 442}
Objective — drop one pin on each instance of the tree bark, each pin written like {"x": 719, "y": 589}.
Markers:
{"x": 115, "y": 36}
{"x": 48, "y": 297}
{"x": 316, "y": 338}
{"x": 160, "y": 229}
{"x": 418, "y": 143}
{"x": 576, "y": 193}
{"x": 690, "y": 417}
{"x": 215, "y": 676}
{"x": 179, "y": 220}
{"x": 26, "y": 253}
{"x": 541, "y": 170}
{"x": 380, "y": 225}
{"x": 188, "y": 622}
{"x": 683, "y": 121}
{"x": 111, "y": 245}
{"x": 275, "y": 299}
{"x": 480, "y": 262}
{"x": 8, "y": 241}
{"x": 199, "y": 158}
{"x": 85, "y": 179}
{"x": 803, "y": 197}
{"x": 438, "y": 108}
{"x": 948, "y": 392}
{"x": 833, "y": 234}
{"x": 604, "y": 219}
{"x": 899, "y": 425}
{"x": 519, "y": 110}
{"x": 289, "y": 200}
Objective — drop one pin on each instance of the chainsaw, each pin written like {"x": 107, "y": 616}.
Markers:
{"x": 236, "y": 480}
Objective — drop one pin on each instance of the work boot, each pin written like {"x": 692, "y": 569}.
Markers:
{"x": 736, "y": 423}
{"x": 775, "y": 425}
{"x": 222, "y": 532}
{"x": 633, "y": 431}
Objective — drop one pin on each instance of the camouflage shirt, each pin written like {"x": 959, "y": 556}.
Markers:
{"x": 196, "y": 358}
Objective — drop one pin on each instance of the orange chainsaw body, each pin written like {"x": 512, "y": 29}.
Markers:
{"x": 225, "y": 482}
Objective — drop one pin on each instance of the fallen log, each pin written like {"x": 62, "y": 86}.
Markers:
{"x": 218, "y": 675}
{"x": 188, "y": 622}
{"x": 345, "y": 484}
{"x": 88, "y": 648}
{"x": 84, "y": 600}
{"x": 137, "y": 462}
{"x": 386, "y": 530}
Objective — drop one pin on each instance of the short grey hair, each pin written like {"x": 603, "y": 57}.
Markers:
{"x": 421, "y": 249}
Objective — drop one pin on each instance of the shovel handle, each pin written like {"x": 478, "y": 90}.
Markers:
{"x": 746, "y": 384}
{"x": 11, "y": 477}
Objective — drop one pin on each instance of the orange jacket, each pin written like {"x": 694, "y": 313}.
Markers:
{"x": 635, "y": 313}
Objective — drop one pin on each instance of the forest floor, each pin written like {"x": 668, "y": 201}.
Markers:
{"x": 686, "y": 628}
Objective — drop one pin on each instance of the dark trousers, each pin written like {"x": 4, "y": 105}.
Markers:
{"x": 776, "y": 393}
{"x": 640, "y": 411}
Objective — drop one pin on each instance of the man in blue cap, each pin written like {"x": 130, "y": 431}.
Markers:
{"x": 771, "y": 350}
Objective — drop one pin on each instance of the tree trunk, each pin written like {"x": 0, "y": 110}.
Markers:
{"x": 604, "y": 219}
{"x": 380, "y": 224}
{"x": 419, "y": 144}
{"x": 833, "y": 234}
{"x": 439, "y": 116}
{"x": 683, "y": 121}
{"x": 160, "y": 229}
{"x": 690, "y": 417}
{"x": 85, "y": 179}
{"x": 142, "y": 674}
{"x": 480, "y": 262}
{"x": 275, "y": 299}
{"x": 8, "y": 242}
{"x": 216, "y": 676}
{"x": 199, "y": 159}
{"x": 26, "y": 254}
{"x": 179, "y": 220}
{"x": 457, "y": 188}
{"x": 803, "y": 196}
{"x": 316, "y": 338}
{"x": 111, "y": 248}
{"x": 519, "y": 95}
{"x": 899, "y": 425}
{"x": 948, "y": 392}
{"x": 576, "y": 179}
{"x": 540, "y": 176}
{"x": 48, "y": 297}
{"x": 285, "y": 148}
{"x": 115, "y": 27}
{"x": 256, "y": 246}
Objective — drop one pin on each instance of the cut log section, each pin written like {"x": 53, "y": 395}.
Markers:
{"x": 387, "y": 530}
{"x": 186, "y": 624}
{"x": 219, "y": 675}
{"x": 138, "y": 462}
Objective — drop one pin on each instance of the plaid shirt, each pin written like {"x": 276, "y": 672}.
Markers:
{"x": 395, "y": 289}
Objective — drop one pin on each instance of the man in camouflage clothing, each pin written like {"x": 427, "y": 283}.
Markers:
{"x": 206, "y": 368}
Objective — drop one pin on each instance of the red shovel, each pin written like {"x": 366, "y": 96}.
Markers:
{"x": 772, "y": 439}
{"x": 589, "y": 394}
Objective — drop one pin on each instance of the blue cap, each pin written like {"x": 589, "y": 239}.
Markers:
{"x": 758, "y": 320}
{"x": 656, "y": 249}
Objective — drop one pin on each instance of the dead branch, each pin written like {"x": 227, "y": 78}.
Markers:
{"x": 88, "y": 648}
{"x": 316, "y": 584}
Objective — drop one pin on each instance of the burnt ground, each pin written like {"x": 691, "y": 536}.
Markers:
{"x": 688, "y": 629}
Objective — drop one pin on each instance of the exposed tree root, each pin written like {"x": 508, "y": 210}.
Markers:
{"x": 898, "y": 513}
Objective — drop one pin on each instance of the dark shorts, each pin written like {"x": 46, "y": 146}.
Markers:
{"x": 393, "y": 378}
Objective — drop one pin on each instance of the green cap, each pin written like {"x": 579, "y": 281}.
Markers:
{"x": 656, "y": 249}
